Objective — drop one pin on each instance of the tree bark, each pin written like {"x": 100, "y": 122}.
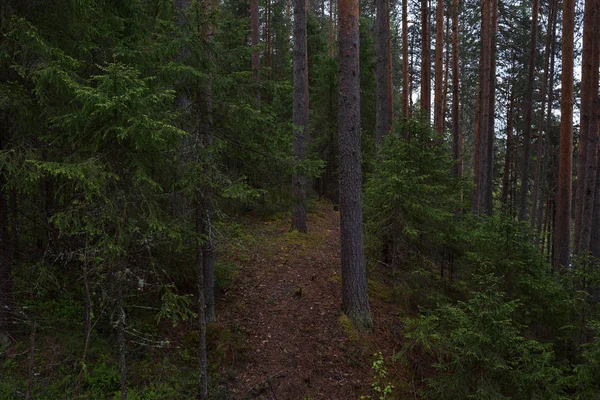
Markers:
{"x": 405, "y": 91}
{"x": 254, "y": 17}
{"x": 456, "y": 153}
{"x": 535, "y": 204}
{"x": 121, "y": 334}
{"x": 595, "y": 231}
{"x": 524, "y": 195}
{"x": 301, "y": 114}
{"x": 588, "y": 144}
{"x": 203, "y": 377}
{"x": 355, "y": 299}
{"x": 548, "y": 123}
{"x": 425, "y": 63}
{"x": 438, "y": 110}
{"x": 509, "y": 145}
{"x": 382, "y": 78}
{"x": 206, "y": 111}
{"x": 562, "y": 231}
{"x": 7, "y": 303}
{"x": 484, "y": 147}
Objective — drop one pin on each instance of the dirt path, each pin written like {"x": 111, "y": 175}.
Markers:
{"x": 287, "y": 301}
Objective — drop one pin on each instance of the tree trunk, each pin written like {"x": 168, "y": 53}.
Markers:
{"x": 489, "y": 173}
{"x": 254, "y": 17}
{"x": 438, "y": 116}
{"x": 405, "y": 91}
{"x": 484, "y": 147}
{"x": 447, "y": 41}
{"x": 535, "y": 204}
{"x": 203, "y": 380}
{"x": 301, "y": 115}
{"x": 562, "y": 232}
{"x": 121, "y": 333}
{"x": 425, "y": 63}
{"x": 456, "y": 153}
{"x": 355, "y": 299}
{"x": 509, "y": 145}
{"x": 411, "y": 76}
{"x": 528, "y": 113}
{"x": 588, "y": 147}
{"x": 206, "y": 109}
{"x": 6, "y": 285}
{"x": 382, "y": 81}
{"x": 548, "y": 123}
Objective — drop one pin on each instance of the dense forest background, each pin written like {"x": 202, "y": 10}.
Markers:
{"x": 147, "y": 146}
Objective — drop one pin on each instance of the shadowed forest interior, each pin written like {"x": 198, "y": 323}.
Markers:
{"x": 299, "y": 199}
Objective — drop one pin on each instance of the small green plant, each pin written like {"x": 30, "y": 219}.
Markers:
{"x": 380, "y": 387}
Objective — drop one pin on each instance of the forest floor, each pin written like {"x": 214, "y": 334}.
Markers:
{"x": 286, "y": 302}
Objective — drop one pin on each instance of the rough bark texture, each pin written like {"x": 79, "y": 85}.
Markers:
{"x": 456, "y": 153}
{"x": 595, "y": 235}
{"x": 202, "y": 379}
{"x": 438, "y": 109}
{"x": 425, "y": 62}
{"x": 405, "y": 92}
{"x": 254, "y": 17}
{"x": 301, "y": 134}
{"x": 268, "y": 42}
{"x": 121, "y": 334}
{"x": 528, "y": 113}
{"x": 382, "y": 81}
{"x": 562, "y": 231}
{"x": 549, "y": 150}
{"x": 588, "y": 144}
{"x": 6, "y": 286}
{"x": 536, "y": 204}
{"x": 206, "y": 110}
{"x": 482, "y": 202}
{"x": 355, "y": 299}
{"x": 448, "y": 43}
{"x": 507, "y": 158}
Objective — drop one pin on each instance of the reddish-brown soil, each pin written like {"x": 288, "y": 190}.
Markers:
{"x": 286, "y": 301}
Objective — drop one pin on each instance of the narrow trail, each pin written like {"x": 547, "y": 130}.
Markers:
{"x": 287, "y": 302}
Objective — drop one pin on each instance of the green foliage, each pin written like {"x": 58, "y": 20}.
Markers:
{"x": 175, "y": 307}
{"x": 479, "y": 351}
{"x": 381, "y": 388}
{"x": 411, "y": 199}
{"x": 587, "y": 374}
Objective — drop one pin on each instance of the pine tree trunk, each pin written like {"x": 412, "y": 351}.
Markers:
{"x": 425, "y": 63}
{"x": 203, "y": 380}
{"x": 268, "y": 42}
{"x": 6, "y": 284}
{"x": 438, "y": 117}
{"x": 382, "y": 81}
{"x": 301, "y": 114}
{"x": 595, "y": 125}
{"x": 405, "y": 91}
{"x": 562, "y": 231}
{"x": 447, "y": 41}
{"x": 535, "y": 204}
{"x": 489, "y": 173}
{"x": 121, "y": 334}
{"x": 548, "y": 123}
{"x": 484, "y": 149}
{"x": 254, "y": 17}
{"x": 528, "y": 117}
{"x": 588, "y": 150}
{"x": 355, "y": 300}
{"x": 206, "y": 111}
{"x": 411, "y": 76}
{"x": 456, "y": 154}
{"x": 509, "y": 145}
